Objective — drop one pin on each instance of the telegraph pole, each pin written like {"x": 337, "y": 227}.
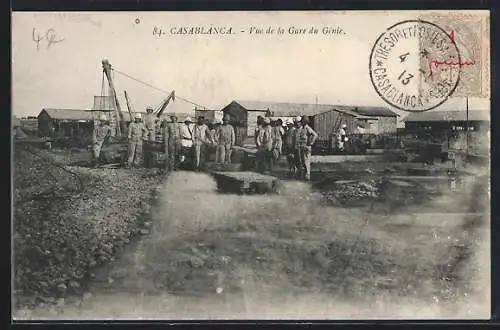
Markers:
{"x": 467, "y": 124}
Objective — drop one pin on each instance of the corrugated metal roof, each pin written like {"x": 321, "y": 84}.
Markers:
{"x": 288, "y": 109}
{"x": 375, "y": 111}
{"x": 76, "y": 114}
{"x": 285, "y": 109}
{"x": 69, "y": 114}
{"x": 461, "y": 115}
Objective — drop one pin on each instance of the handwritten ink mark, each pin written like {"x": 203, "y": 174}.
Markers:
{"x": 37, "y": 39}
{"x": 447, "y": 64}
{"x": 450, "y": 63}
{"x": 50, "y": 37}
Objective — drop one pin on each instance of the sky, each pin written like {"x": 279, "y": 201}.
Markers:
{"x": 210, "y": 70}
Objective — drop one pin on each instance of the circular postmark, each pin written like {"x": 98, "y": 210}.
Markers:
{"x": 415, "y": 66}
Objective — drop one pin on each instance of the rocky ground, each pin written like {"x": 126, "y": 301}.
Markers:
{"x": 299, "y": 254}
{"x": 69, "y": 220}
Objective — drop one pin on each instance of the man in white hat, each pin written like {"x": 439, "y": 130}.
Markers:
{"x": 101, "y": 131}
{"x": 226, "y": 138}
{"x": 149, "y": 123}
{"x": 187, "y": 132}
{"x": 137, "y": 132}
{"x": 341, "y": 137}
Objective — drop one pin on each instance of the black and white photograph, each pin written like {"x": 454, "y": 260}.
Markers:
{"x": 260, "y": 165}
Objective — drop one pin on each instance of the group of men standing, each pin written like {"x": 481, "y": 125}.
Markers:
{"x": 296, "y": 140}
{"x": 182, "y": 140}
{"x": 196, "y": 140}
{"x": 138, "y": 131}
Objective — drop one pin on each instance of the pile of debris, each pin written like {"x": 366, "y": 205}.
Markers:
{"x": 350, "y": 192}
{"x": 68, "y": 220}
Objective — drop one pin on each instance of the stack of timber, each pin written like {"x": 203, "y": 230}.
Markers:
{"x": 246, "y": 182}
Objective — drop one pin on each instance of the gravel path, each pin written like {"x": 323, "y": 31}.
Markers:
{"x": 128, "y": 287}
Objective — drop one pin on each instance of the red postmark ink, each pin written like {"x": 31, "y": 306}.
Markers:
{"x": 436, "y": 64}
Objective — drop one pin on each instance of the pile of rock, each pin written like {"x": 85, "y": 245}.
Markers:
{"x": 351, "y": 191}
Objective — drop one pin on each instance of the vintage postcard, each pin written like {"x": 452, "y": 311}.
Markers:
{"x": 318, "y": 165}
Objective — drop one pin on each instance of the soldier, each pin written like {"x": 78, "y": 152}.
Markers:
{"x": 200, "y": 141}
{"x": 225, "y": 138}
{"x": 101, "y": 131}
{"x": 186, "y": 130}
{"x": 290, "y": 148}
{"x": 277, "y": 136}
{"x": 341, "y": 137}
{"x": 305, "y": 138}
{"x": 260, "y": 119}
{"x": 172, "y": 138}
{"x": 136, "y": 134}
{"x": 213, "y": 136}
{"x": 265, "y": 146}
{"x": 213, "y": 132}
{"x": 149, "y": 123}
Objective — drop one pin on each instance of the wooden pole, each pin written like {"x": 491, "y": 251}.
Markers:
{"x": 467, "y": 125}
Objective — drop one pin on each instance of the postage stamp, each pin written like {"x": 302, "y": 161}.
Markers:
{"x": 415, "y": 65}
{"x": 469, "y": 31}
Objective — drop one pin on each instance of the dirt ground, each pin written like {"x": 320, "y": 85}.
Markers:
{"x": 286, "y": 256}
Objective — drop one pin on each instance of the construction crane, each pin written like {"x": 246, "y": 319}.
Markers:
{"x": 129, "y": 106}
{"x": 121, "y": 127}
{"x": 164, "y": 104}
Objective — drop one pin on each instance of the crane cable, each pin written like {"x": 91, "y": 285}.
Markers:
{"x": 158, "y": 89}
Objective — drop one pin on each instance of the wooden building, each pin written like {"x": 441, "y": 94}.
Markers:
{"x": 209, "y": 114}
{"x": 324, "y": 122}
{"x": 74, "y": 125}
{"x": 65, "y": 122}
{"x": 378, "y": 120}
{"x": 451, "y": 127}
{"x": 243, "y": 114}
{"x": 322, "y": 117}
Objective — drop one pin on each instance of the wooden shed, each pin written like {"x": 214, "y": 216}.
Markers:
{"x": 380, "y": 120}
{"x": 243, "y": 114}
{"x": 322, "y": 117}
{"x": 456, "y": 129}
{"x": 324, "y": 123}
{"x": 209, "y": 114}
{"x": 65, "y": 122}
